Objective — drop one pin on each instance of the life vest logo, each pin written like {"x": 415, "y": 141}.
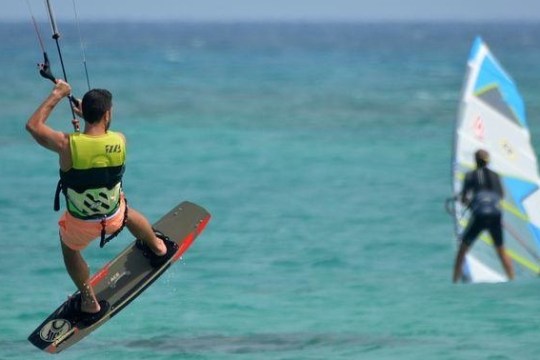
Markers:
{"x": 110, "y": 149}
{"x": 54, "y": 329}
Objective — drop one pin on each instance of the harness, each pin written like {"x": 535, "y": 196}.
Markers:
{"x": 103, "y": 238}
{"x": 93, "y": 186}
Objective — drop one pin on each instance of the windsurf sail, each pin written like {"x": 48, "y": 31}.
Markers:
{"x": 492, "y": 117}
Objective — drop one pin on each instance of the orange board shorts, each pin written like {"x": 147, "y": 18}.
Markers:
{"x": 77, "y": 234}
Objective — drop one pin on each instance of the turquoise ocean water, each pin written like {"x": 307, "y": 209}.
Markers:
{"x": 322, "y": 152}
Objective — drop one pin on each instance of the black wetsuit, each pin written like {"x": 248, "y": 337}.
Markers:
{"x": 483, "y": 184}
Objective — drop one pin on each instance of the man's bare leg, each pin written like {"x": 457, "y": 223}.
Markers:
{"x": 79, "y": 273}
{"x": 506, "y": 262}
{"x": 459, "y": 262}
{"x": 141, "y": 229}
{"x": 78, "y": 268}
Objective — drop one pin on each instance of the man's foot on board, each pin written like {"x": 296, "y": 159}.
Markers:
{"x": 155, "y": 259}
{"x": 86, "y": 318}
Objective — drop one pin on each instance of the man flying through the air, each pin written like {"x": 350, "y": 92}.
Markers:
{"x": 91, "y": 169}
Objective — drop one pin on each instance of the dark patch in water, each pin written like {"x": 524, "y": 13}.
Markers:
{"x": 257, "y": 343}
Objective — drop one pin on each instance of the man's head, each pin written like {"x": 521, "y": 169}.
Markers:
{"x": 481, "y": 157}
{"x": 95, "y": 105}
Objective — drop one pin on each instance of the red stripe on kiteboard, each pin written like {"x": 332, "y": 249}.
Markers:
{"x": 97, "y": 277}
{"x": 186, "y": 243}
{"x": 188, "y": 240}
{"x": 202, "y": 224}
{"x": 52, "y": 348}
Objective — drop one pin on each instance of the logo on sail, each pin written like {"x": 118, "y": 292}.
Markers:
{"x": 479, "y": 128}
{"x": 508, "y": 149}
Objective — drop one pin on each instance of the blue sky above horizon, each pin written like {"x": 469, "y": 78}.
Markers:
{"x": 276, "y": 10}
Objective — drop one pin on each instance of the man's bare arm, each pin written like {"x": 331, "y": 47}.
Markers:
{"x": 46, "y": 136}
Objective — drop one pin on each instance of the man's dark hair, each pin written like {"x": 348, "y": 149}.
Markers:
{"x": 481, "y": 157}
{"x": 95, "y": 103}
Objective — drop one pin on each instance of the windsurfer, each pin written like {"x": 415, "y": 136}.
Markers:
{"x": 482, "y": 192}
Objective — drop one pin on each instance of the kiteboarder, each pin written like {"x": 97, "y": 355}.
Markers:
{"x": 92, "y": 164}
{"x": 482, "y": 192}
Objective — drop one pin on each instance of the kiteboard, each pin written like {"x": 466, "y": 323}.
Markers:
{"x": 121, "y": 280}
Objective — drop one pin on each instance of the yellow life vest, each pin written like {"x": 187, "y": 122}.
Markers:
{"x": 92, "y": 186}
{"x": 88, "y": 152}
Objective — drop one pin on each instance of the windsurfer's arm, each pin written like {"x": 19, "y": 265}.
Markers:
{"x": 42, "y": 133}
{"x": 464, "y": 199}
{"x": 499, "y": 188}
{"x": 463, "y": 196}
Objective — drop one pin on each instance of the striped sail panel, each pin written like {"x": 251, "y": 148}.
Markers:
{"x": 492, "y": 117}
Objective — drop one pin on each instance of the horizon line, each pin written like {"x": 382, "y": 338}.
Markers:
{"x": 286, "y": 21}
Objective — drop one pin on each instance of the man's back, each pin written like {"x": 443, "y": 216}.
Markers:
{"x": 482, "y": 189}
{"x": 482, "y": 179}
